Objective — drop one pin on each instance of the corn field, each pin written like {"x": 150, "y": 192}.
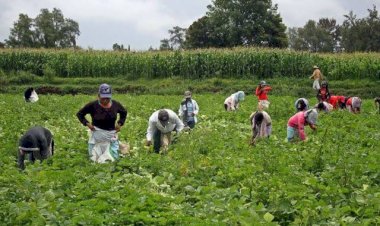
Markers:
{"x": 194, "y": 64}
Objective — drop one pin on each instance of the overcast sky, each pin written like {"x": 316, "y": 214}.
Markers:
{"x": 143, "y": 23}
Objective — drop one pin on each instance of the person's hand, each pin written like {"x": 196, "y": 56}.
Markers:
{"x": 192, "y": 114}
{"x": 148, "y": 143}
{"x": 90, "y": 126}
{"x": 313, "y": 127}
{"x": 118, "y": 127}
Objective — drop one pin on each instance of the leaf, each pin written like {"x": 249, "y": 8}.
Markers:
{"x": 268, "y": 217}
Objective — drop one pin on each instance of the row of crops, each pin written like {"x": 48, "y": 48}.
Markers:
{"x": 195, "y": 64}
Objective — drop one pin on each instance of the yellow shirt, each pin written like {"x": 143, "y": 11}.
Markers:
{"x": 316, "y": 75}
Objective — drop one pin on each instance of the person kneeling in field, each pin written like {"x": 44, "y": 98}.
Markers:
{"x": 30, "y": 95}
{"x": 261, "y": 124}
{"x": 161, "y": 125}
{"x": 103, "y": 144}
{"x": 232, "y": 102}
{"x": 296, "y": 124}
{"x": 337, "y": 102}
{"x": 188, "y": 110}
{"x": 354, "y": 104}
{"x": 38, "y": 143}
{"x": 324, "y": 106}
{"x": 301, "y": 104}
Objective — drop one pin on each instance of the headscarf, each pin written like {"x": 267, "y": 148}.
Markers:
{"x": 239, "y": 96}
{"x": 311, "y": 116}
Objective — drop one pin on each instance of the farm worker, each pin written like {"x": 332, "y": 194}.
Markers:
{"x": 377, "y": 104}
{"x": 323, "y": 93}
{"x": 354, "y": 104}
{"x": 337, "y": 102}
{"x": 103, "y": 141}
{"x": 188, "y": 110}
{"x": 261, "y": 124}
{"x": 324, "y": 106}
{"x": 232, "y": 102}
{"x": 30, "y": 95}
{"x": 301, "y": 104}
{"x": 262, "y": 93}
{"x": 38, "y": 143}
{"x": 161, "y": 124}
{"x": 317, "y": 75}
{"x": 297, "y": 122}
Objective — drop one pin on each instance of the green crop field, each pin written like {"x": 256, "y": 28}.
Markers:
{"x": 211, "y": 176}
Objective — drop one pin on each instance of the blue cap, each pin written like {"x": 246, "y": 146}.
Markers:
{"x": 105, "y": 91}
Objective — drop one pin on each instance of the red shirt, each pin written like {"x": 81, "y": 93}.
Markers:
{"x": 334, "y": 100}
{"x": 261, "y": 92}
{"x": 349, "y": 101}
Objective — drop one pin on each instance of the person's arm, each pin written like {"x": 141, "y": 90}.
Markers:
{"x": 258, "y": 90}
{"x": 150, "y": 131}
{"x": 21, "y": 158}
{"x": 312, "y": 76}
{"x": 123, "y": 115}
{"x": 83, "y": 112}
{"x": 179, "y": 124}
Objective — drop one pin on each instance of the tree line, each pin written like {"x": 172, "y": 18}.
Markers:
{"x": 47, "y": 30}
{"x": 226, "y": 24}
{"x": 257, "y": 23}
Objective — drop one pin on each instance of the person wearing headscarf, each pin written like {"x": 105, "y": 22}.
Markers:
{"x": 354, "y": 104}
{"x": 231, "y": 103}
{"x": 160, "y": 126}
{"x": 188, "y": 110}
{"x": 296, "y": 124}
{"x": 317, "y": 76}
{"x": 261, "y": 92}
{"x": 30, "y": 95}
{"x": 323, "y": 93}
{"x": 38, "y": 143}
{"x": 324, "y": 106}
{"x": 301, "y": 104}
{"x": 103, "y": 125}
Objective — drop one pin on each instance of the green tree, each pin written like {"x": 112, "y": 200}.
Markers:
{"x": 239, "y": 22}
{"x": 22, "y": 34}
{"x": 198, "y": 34}
{"x": 177, "y": 37}
{"x": 48, "y": 30}
{"x": 361, "y": 34}
{"x": 165, "y": 44}
{"x": 315, "y": 37}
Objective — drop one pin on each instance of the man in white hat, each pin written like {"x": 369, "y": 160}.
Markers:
{"x": 317, "y": 76}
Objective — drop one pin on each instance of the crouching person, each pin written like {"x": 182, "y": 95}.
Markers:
{"x": 103, "y": 144}
{"x": 354, "y": 104}
{"x": 261, "y": 126}
{"x": 30, "y": 95}
{"x": 296, "y": 124}
{"x": 377, "y": 104}
{"x": 161, "y": 125}
{"x": 38, "y": 143}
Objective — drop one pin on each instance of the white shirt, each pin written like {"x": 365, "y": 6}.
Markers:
{"x": 155, "y": 124}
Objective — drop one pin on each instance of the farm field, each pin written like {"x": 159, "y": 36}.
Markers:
{"x": 211, "y": 176}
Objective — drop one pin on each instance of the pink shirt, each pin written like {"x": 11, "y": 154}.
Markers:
{"x": 298, "y": 121}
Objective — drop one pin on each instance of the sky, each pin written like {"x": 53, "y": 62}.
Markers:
{"x": 143, "y": 23}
